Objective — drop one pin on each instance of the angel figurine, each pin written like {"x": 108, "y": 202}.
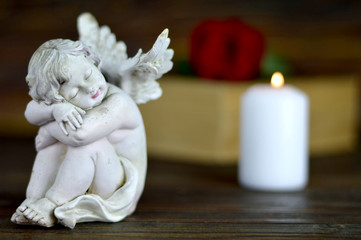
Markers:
{"x": 91, "y": 148}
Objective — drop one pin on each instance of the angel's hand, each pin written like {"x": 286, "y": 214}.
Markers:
{"x": 43, "y": 139}
{"x": 67, "y": 113}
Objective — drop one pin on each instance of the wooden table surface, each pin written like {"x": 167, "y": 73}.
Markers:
{"x": 183, "y": 201}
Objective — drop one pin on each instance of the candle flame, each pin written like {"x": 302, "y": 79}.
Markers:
{"x": 277, "y": 80}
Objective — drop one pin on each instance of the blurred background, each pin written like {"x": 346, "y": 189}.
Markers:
{"x": 304, "y": 39}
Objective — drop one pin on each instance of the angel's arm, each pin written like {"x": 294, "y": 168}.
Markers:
{"x": 39, "y": 113}
{"x": 44, "y": 139}
{"x": 117, "y": 111}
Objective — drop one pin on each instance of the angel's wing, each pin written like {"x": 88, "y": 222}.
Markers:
{"x": 103, "y": 42}
{"x": 137, "y": 75}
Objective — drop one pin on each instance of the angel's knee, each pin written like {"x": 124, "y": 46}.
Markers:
{"x": 109, "y": 176}
{"x": 74, "y": 177}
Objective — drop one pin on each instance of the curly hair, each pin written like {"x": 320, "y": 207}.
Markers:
{"x": 47, "y": 68}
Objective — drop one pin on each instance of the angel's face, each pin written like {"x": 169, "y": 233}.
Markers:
{"x": 86, "y": 86}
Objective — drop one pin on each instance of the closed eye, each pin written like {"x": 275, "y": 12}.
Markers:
{"x": 88, "y": 74}
{"x": 73, "y": 93}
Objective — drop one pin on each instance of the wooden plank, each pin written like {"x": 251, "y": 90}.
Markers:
{"x": 205, "y": 202}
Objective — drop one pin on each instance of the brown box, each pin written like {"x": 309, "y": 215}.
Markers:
{"x": 198, "y": 121}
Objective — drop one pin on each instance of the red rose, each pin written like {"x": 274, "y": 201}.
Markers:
{"x": 226, "y": 49}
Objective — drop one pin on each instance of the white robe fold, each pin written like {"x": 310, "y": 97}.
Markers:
{"x": 91, "y": 207}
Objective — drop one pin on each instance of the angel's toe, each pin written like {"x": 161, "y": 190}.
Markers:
{"x": 43, "y": 222}
{"x": 27, "y": 211}
{"x": 19, "y": 219}
{"x": 22, "y": 208}
{"x": 37, "y": 218}
{"x": 31, "y": 215}
{"x": 13, "y": 217}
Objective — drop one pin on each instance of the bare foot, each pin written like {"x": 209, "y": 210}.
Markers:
{"x": 41, "y": 212}
{"x": 18, "y": 216}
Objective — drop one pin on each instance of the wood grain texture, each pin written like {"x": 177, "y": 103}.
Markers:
{"x": 184, "y": 201}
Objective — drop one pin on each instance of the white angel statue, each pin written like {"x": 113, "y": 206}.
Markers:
{"x": 91, "y": 149}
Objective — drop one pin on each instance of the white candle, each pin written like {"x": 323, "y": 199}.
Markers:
{"x": 274, "y": 137}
